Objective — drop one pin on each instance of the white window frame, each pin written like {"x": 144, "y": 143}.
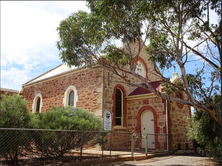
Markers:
{"x": 66, "y": 96}
{"x": 35, "y": 102}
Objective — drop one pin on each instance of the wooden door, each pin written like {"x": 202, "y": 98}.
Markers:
{"x": 147, "y": 126}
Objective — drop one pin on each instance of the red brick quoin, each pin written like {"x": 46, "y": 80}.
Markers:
{"x": 138, "y": 126}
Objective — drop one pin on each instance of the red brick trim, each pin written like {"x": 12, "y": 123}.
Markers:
{"x": 164, "y": 128}
{"x": 190, "y": 117}
{"x": 114, "y": 105}
{"x": 170, "y": 124}
{"x": 180, "y": 106}
{"x": 189, "y": 110}
{"x": 143, "y": 62}
{"x": 156, "y": 128}
{"x": 164, "y": 115}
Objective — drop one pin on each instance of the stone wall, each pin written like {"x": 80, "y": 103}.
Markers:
{"x": 8, "y": 92}
{"x": 177, "y": 124}
{"x": 178, "y": 127}
{"x": 89, "y": 85}
{"x": 133, "y": 119}
{"x": 111, "y": 80}
{"x": 130, "y": 118}
{"x": 96, "y": 93}
{"x": 143, "y": 56}
{"x": 158, "y": 107}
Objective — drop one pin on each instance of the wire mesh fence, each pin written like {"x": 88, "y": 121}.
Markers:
{"x": 46, "y": 146}
{"x": 151, "y": 143}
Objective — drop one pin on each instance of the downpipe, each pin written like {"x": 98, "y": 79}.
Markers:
{"x": 167, "y": 130}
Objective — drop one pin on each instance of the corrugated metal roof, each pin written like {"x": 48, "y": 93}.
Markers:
{"x": 58, "y": 70}
{"x": 139, "y": 91}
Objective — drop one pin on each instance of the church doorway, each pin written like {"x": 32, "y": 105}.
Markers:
{"x": 147, "y": 126}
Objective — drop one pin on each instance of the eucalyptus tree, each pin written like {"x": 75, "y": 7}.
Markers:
{"x": 174, "y": 33}
{"x": 206, "y": 132}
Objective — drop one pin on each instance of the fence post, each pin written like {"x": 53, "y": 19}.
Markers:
{"x": 110, "y": 144}
{"x": 102, "y": 144}
{"x": 81, "y": 146}
{"x": 132, "y": 144}
{"x": 168, "y": 143}
{"x": 146, "y": 143}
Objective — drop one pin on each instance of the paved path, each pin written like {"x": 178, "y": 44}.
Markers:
{"x": 121, "y": 154}
{"x": 171, "y": 160}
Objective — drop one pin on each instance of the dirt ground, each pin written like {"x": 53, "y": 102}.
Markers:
{"x": 171, "y": 160}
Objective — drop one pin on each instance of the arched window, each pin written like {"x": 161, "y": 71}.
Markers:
{"x": 119, "y": 120}
{"x": 140, "y": 69}
{"x": 119, "y": 107}
{"x": 70, "y": 96}
{"x": 37, "y": 103}
{"x": 180, "y": 96}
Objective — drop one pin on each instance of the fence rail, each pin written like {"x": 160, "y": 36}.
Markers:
{"x": 47, "y": 146}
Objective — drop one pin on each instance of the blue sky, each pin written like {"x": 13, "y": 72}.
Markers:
{"x": 28, "y": 37}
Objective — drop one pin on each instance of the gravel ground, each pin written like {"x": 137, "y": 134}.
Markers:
{"x": 171, "y": 160}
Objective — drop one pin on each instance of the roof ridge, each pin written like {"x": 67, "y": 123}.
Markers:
{"x": 9, "y": 90}
{"x": 42, "y": 75}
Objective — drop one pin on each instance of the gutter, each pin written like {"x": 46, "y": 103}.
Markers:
{"x": 143, "y": 96}
{"x": 9, "y": 90}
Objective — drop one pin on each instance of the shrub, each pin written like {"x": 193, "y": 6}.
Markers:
{"x": 13, "y": 114}
{"x": 57, "y": 143}
{"x": 207, "y": 133}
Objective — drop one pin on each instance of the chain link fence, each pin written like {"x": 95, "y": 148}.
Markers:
{"x": 46, "y": 146}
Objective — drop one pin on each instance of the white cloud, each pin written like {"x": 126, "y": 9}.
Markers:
{"x": 3, "y": 63}
{"x": 29, "y": 67}
{"x": 14, "y": 78}
{"x": 28, "y": 37}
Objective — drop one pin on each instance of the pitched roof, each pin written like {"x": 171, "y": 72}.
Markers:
{"x": 58, "y": 70}
{"x": 9, "y": 90}
{"x": 140, "y": 91}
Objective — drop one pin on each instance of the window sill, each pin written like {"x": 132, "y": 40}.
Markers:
{"x": 119, "y": 127}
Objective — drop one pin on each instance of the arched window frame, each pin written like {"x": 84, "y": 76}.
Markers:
{"x": 123, "y": 118}
{"x": 144, "y": 74}
{"x": 34, "y": 105}
{"x": 142, "y": 62}
{"x": 180, "y": 96}
{"x": 66, "y": 96}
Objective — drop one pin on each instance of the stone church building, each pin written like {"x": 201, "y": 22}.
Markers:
{"x": 133, "y": 108}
